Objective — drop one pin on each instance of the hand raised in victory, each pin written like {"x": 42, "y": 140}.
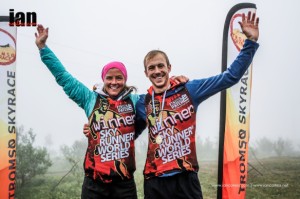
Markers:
{"x": 41, "y": 36}
{"x": 249, "y": 26}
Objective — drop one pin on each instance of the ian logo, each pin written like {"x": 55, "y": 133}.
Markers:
{"x": 22, "y": 19}
{"x": 125, "y": 108}
{"x": 179, "y": 101}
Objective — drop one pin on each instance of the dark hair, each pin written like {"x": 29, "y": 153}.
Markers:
{"x": 130, "y": 87}
{"x": 125, "y": 88}
{"x": 153, "y": 53}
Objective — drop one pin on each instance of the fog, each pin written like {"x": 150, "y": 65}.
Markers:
{"x": 85, "y": 35}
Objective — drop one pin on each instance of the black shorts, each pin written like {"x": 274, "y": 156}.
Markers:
{"x": 184, "y": 185}
{"x": 94, "y": 189}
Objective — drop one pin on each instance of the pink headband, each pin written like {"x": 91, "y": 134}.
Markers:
{"x": 114, "y": 64}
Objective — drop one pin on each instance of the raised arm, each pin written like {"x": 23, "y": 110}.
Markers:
{"x": 41, "y": 36}
{"x": 202, "y": 89}
{"x": 76, "y": 91}
{"x": 249, "y": 26}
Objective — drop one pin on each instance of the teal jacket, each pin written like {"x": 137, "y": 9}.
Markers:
{"x": 77, "y": 91}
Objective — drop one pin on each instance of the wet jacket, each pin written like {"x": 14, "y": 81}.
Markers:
{"x": 110, "y": 153}
{"x": 171, "y": 142}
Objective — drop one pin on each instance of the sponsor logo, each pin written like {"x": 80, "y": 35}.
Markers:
{"x": 237, "y": 36}
{"x": 179, "y": 101}
{"x": 125, "y": 108}
{"x": 7, "y": 48}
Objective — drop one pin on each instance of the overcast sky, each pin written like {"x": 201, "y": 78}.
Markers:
{"x": 85, "y": 35}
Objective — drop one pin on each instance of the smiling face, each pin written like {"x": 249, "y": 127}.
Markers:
{"x": 157, "y": 70}
{"x": 114, "y": 82}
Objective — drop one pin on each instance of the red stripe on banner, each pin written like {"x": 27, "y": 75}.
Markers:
{"x": 234, "y": 134}
{"x": 7, "y": 109}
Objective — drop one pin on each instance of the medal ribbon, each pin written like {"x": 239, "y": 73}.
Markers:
{"x": 162, "y": 107}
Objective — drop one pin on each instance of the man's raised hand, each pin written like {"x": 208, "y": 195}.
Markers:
{"x": 249, "y": 26}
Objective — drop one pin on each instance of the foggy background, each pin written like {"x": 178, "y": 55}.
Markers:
{"x": 85, "y": 35}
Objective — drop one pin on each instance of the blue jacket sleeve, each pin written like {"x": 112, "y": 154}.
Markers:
{"x": 76, "y": 91}
{"x": 140, "y": 116}
{"x": 202, "y": 89}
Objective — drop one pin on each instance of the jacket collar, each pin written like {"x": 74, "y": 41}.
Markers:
{"x": 98, "y": 88}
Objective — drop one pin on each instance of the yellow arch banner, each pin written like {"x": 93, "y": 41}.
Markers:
{"x": 7, "y": 108}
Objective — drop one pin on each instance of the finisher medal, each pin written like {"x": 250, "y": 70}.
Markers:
{"x": 158, "y": 139}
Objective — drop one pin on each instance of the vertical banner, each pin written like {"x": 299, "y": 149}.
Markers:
{"x": 7, "y": 108}
{"x": 235, "y": 112}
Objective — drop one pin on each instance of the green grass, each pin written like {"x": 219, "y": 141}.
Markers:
{"x": 277, "y": 178}
{"x": 208, "y": 176}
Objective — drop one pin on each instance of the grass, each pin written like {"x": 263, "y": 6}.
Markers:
{"x": 276, "y": 177}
